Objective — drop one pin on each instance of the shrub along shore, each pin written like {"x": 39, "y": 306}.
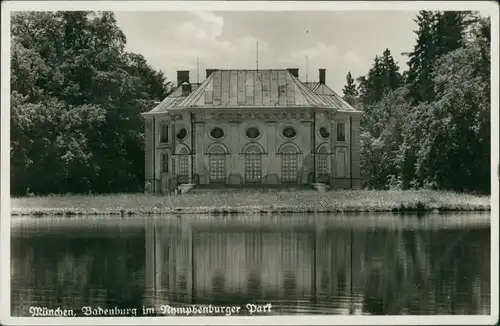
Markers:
{"x": 250, "y": 202}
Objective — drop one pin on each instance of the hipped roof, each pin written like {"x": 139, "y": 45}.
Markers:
{"x": 253, "y": 88}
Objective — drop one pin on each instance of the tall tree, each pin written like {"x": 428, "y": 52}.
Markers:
{"x": 76, "y": 95}
{"x": 372, "y": 86}
{"x": 350, "y": 90}
{"x": 392, "y": 76}
{"x": 421, "y": 58}
{"x": 438, "y": 33}
{"x": 383, "y": 77}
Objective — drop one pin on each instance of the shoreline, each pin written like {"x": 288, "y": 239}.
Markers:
{"x": 251, "y": 202}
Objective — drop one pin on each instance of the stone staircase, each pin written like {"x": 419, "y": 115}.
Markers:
{"x": 250, "y": 188}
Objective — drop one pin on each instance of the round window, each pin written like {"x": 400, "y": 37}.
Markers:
{"x": 182, "y": 134}
{"x": 323, "y": 132}
{"x": 217, "y": 133}
{"x": 289, "y": 132}
{"x": 252, "y": 133}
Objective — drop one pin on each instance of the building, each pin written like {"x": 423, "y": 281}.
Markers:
{"x": 242, "y": 127}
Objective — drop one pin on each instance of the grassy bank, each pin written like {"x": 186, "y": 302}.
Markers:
{"x": 250, "y": 202}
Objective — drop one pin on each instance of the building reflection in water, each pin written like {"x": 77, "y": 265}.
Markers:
{"x": 196, "y": 265}
{"x": 335, "y": 271}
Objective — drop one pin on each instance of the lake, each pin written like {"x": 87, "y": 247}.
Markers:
{"x": 301, "y": 264}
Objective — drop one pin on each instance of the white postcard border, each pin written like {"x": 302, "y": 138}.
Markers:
{"x": 7, "y": 7}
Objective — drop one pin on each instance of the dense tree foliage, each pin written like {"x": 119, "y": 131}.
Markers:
{"x": 430, "y": 125}
{"x": 75, "y": 99}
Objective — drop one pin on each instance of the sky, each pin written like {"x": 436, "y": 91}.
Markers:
{"x": 338, "y": 41}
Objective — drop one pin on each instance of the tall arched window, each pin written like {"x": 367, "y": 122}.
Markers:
{"x": 253, "y": 164}
{"x": 322, "y": 161}
{"x": 289, "y": 163}
{"x": 322, "y": 167}
{"x": 217, "y": 158}
{"x": 183, "y": 172}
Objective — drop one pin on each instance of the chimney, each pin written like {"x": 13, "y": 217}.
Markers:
{"x": 210, "y": 71}
{"x": 182, "y": 77}
{"x": 186, "y": 89}
{"x": 322, "y": 76}
{"x": 294, "y": 72}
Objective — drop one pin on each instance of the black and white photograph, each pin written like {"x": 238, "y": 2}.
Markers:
{"x": 241, "y": 162}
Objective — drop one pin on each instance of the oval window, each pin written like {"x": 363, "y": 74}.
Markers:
{"x": 182, "y": 134}
{"x": 289, "y": 132}
{"x": 323, "y": 132}
{"x": 252, "y": 133}
{"x": 217, "y": 133}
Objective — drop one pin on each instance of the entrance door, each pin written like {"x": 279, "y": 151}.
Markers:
{"x": 253, "y": 165}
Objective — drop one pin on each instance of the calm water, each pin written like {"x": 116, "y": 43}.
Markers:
{"x": 337, "y": 264}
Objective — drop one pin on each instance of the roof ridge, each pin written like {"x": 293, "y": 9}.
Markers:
{"x": 306, "y": 91}
{"x": 198, "y": 92}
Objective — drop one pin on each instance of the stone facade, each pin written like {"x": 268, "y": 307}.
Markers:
{"x": 265, "y": 144}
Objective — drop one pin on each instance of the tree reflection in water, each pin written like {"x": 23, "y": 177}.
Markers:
{"x": 418, "y": 270}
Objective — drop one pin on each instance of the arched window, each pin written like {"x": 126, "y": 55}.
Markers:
{"x": 217, "y": 159}
{"x": 289, "y": 163}
{"x": 253, "y": 164}
{"x": 323, "y": 157}
{"x": 183, "y": 173}
{"x": 322, "y": 161}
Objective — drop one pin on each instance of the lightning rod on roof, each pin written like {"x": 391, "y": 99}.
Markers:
{"x": 257, "y": 55}
{"x": 307, "y": 62}
{"x": 307, "y": 69}
{"x": 197, "y": 71}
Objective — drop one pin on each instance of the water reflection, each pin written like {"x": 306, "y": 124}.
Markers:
{"x": 311, "y": 267}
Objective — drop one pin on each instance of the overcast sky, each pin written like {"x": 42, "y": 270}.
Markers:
{"x": 337, "y": 41}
